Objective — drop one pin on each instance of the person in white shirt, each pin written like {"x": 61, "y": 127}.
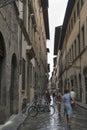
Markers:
{"x": 73, "y": 96}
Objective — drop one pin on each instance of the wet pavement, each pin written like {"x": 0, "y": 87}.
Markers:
{"x": 79, "y": 119}
{"x": 44, "y": 122}
{"x": 56, "y": 122}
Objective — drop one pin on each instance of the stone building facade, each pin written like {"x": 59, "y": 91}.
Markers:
{"x": 24, "y": 29}
{"x": 9, "y": 92}
{"x": 73, "y": 49}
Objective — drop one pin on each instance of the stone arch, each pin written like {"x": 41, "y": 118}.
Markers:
{"x": 13, "y": 86}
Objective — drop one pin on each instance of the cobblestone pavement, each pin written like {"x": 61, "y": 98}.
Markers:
{"x": 79, "y": 119}
{"x": 44, "y": 122}
{"x": 56, "y": 122}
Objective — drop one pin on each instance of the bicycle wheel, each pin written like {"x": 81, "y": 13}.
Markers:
{"x": 49, "y": 110}
{"x": 32, "y": 111}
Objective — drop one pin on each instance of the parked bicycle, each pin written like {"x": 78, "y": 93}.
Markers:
{"x": 38, "y": 107}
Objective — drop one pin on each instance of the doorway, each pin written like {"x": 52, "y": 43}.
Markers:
{"x": 13, "y": 81}
{"x": 86, "y": 89}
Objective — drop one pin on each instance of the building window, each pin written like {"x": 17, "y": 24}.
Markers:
{"x": 23, "y": 74}
{"x": 67, "y": 59}
{"x": 78, "y": 8}
{"x": 78, "y": 41}
{"x": 82, "y": 3}
{"x": 30, "y": 74}
{"x": 69, "y": 28}
{"x": 74, "y": 16}
{"x": 24, "y": 13}
{"x": 72, "y": 52}
{"x": 71, "y": 23}
{"x": 75, "y": 48}
{"x": 83, "y": 37}
{"x": 70, "y": 55}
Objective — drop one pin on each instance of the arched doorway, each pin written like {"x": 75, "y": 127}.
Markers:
{"x": 80, "y": 89}
{"x": 2, "y": 54}
{"x": 13, "y": 87}
{"x": 2, "y": 80}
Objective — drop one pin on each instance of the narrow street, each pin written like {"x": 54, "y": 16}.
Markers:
{"x": 43, "y": 51}
{"x": 56, "y": 122}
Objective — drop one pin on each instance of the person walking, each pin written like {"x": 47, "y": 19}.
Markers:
{"x": 58, "y": 100}
{"x": 47, "y": 96}
{"x": 67, "y": 105}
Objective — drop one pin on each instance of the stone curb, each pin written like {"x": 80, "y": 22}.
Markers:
{"x": 14, "y": 122}
{"x": 82, "y": 105}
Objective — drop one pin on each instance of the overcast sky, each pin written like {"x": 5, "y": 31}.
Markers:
{"x": 56, "y": 12}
